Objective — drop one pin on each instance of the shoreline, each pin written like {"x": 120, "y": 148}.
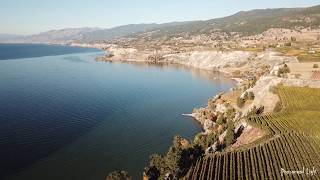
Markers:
{"x": 193, "y": 115}
{"x": 273, "y": 59}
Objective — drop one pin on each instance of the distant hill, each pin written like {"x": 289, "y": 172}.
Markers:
{"x": 63, "y": 35}
{"x": 246, "y": 22}
{"x": 9, "y": 37}
{"x": 86, "y": 34}
{"x": 53, "y": 36}
{"x": 82, "y": 34}
{"x": 249, "y": 22}
{"x": 121, "y": 31}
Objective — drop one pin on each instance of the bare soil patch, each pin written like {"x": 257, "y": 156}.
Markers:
{"x": 249, "y": 135}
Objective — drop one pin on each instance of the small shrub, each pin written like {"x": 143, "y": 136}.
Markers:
{"x": 231, "y": 113}
{"x": 272, "y": 46}
{"x": 251, "y": 96}
{"x": 245, "y": 96}
{"x": 256, "y": 111}
{"x": 288, "y": 44}
{"x": 240, "y": 102}
{"x": 315, "y": 66}
{"x": 220, "y": 119}
{"x": 297, "y": 76}
{"x": 285, "y": 69}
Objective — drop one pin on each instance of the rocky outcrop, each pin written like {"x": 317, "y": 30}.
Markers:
{"x": 263, "y": 95}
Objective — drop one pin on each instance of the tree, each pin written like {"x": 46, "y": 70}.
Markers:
{"x": 230, "y": 133}
{"x": 173, "y": 159}
{"x": 151, "y": 173}
{"x": 157, "y": 164}
{"x": 285, "y": 69}
{"x": 177, "y": 141}
{"x": 176, "y": 162}
{"x": 118, "y": 175}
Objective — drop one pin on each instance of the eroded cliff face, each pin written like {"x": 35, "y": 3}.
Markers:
{"x": 235, "y": 63}
{"x": 211, "y": 60}
{"x": 264, "y": 97}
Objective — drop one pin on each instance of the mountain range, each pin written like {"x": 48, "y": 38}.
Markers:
{"x": 245, "y": 22}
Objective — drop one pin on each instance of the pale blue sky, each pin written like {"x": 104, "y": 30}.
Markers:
{"x": 33, "y": 16}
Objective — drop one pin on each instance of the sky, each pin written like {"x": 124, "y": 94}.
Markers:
{"x": 34, "y": 16}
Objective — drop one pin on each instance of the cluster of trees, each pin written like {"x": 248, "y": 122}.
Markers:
{"x": 177, "y": 161}
{"x": 180, "y": 157}
{"x": 222, "y": 118}
{"x": 204, "y": 141}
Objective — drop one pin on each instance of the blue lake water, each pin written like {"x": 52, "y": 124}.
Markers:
{"x": 66, "y": 116}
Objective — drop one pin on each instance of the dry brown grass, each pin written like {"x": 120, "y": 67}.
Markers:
{"x": 231, "y": 97}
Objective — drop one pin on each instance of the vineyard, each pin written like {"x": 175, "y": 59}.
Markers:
{"x": 294, "y": 144}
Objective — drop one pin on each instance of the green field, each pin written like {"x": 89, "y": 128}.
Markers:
{"x": 293, "y": 144}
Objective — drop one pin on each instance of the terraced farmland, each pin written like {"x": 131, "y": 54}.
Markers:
{"x": 293, "y": 144}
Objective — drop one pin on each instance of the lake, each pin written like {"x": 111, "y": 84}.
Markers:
{"x": 65, "y": 116}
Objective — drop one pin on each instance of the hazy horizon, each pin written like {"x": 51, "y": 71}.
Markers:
{"x": 40, "y": 16}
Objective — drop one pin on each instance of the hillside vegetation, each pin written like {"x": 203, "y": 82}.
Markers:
{"x": 293, "y": 144}
{"x": 247, "y": 22}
